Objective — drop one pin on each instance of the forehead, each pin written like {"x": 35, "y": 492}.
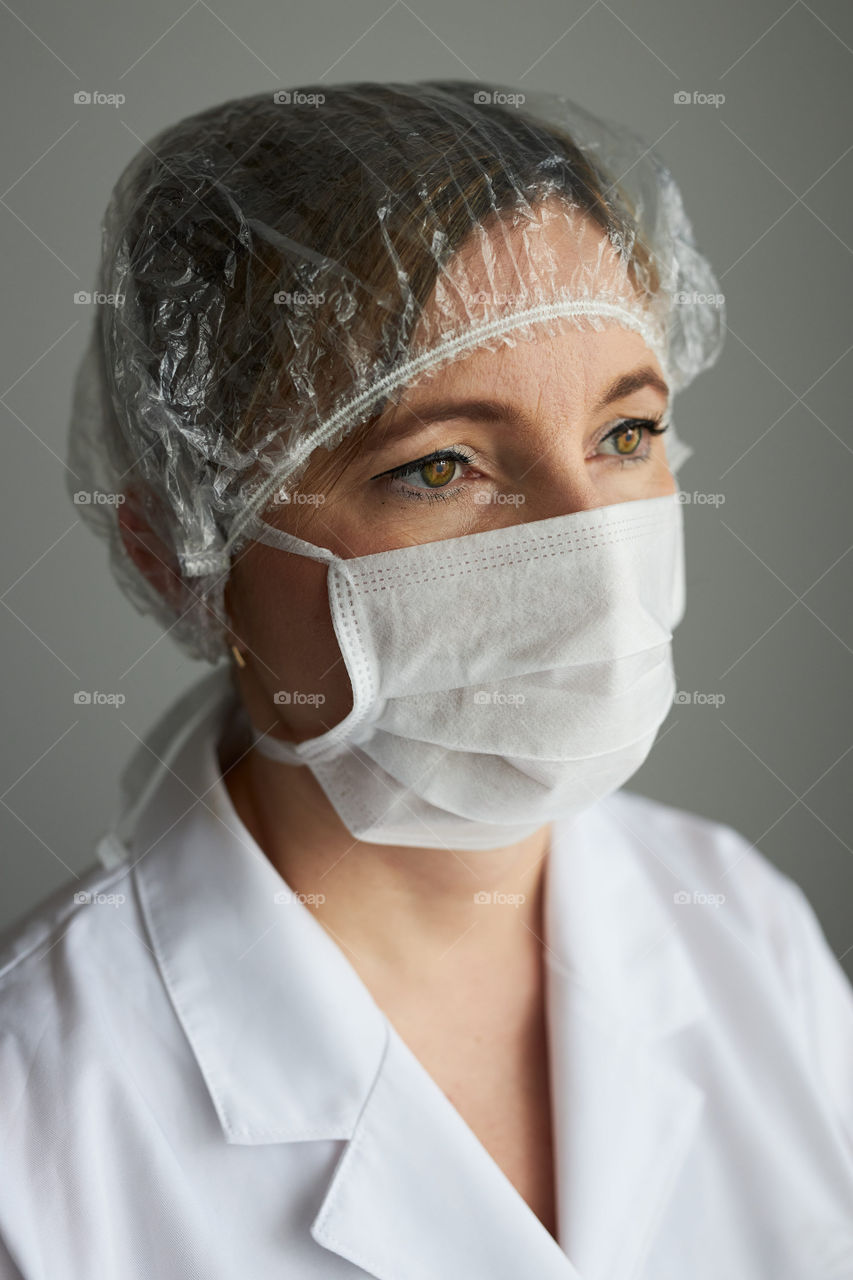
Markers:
{"x": 569, "y": 368}
{"x": 524, "y": 258}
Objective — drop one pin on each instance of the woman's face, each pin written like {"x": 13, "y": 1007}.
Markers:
{"x": 537, "y": 429}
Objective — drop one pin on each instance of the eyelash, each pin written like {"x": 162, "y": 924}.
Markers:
{"x": 652, "y": 426}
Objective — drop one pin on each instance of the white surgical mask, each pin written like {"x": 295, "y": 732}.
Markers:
{"x": 501, "y": 679}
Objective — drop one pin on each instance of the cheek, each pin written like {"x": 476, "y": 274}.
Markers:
{"x": 281, "y": 612}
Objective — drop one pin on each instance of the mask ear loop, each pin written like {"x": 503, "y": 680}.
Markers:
{"x": 259, "y": 531}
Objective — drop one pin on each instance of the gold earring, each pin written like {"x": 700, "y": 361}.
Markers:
{"x": 238, "y": 657}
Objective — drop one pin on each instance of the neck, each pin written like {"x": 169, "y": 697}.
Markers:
{"x": 401, "y": 911}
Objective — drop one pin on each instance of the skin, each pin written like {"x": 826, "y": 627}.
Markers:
{"x": 462, "y": 984}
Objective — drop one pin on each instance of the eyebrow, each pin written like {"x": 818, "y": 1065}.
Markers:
{"x": 479, "y": 410}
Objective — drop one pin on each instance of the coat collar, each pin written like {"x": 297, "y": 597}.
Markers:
{"x": 260, "y": 988}
{"x": 264, "y": 994}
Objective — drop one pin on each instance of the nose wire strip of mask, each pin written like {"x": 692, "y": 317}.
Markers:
{"x": 380, "y": 578}
{"x": 530, "y": 541}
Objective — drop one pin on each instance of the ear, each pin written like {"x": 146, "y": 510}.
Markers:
{"x": 154, "y": 560}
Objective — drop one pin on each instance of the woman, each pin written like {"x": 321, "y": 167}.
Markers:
{"x": 389, "y": 976}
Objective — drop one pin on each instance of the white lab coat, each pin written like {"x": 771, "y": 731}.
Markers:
{"x": 197, "y": 1084}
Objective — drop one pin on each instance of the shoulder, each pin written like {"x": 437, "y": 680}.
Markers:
{"x": 692, "y": 837}
{"x": 706, "y": 862}
{"x": 695, "y": 860}
{"x": 704, "y": 882}
{"x": 88, "y": 1035}
{"x": 62, "y": 917}
{"x": 63, "y": 967}
{"x": 741, "y": 918}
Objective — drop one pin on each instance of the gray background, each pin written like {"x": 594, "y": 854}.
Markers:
{"x": 766, "y": 180}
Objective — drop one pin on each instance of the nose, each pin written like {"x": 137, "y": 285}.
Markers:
{"x": 559, "y": 490}
{"x": 561, "y": 482}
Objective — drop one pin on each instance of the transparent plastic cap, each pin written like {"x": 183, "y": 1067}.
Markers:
{"x": 279, "y": 269}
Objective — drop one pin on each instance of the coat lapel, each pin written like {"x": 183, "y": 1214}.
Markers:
{"x": 416, "y": 1196}
{"x": 619, "y": 985}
